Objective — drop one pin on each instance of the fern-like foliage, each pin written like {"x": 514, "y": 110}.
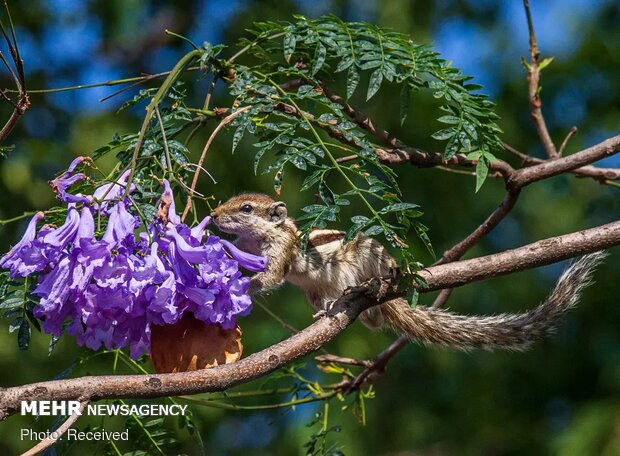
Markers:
{"x": 307, "y": 129}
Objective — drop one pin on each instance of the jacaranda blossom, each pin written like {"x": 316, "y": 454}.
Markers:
{"x": 61, "y": 184}
{"x": 108, "y": 291}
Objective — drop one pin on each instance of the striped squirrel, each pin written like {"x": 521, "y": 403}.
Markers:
{"x": 330, "y": 266}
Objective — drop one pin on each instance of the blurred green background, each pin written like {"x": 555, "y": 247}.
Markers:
{"x": 562, "y": 397}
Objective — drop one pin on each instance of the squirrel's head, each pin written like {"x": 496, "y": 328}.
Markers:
{"x": 250, "y": 215}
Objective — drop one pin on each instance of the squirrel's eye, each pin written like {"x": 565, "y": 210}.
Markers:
{"x": 246, "y": 208}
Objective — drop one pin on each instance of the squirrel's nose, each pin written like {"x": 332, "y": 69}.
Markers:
{"x": 213, "y": 216}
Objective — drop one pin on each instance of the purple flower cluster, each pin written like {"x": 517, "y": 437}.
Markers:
{"x": 110, "y": 290}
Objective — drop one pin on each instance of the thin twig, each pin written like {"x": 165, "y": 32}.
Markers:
{"x": 210, "y": 92}
{"x": 329, "y": 358}
{"x": 49, "y": 441}
{"x": 442, "y": 298}
{"x": 491, "y": 222}
{"x": 273, "y": 315}
{"x": 225, "y": 121}
{"x": 165, "y": 140}
{"x": 376, "y": 367}
{"x": 533, "y": 77}
{"x": 348, "y": 158}
{"x": 23, "y": 100}
{"x": 569, "y": 135}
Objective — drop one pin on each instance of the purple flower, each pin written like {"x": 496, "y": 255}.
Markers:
{"x": 53, "y": 289}
{"x": 121, "y": 225}
{"x": 109, "y": 291}
{"x": 12, "y": 260}
{"x": 67, "y": 179}
{"x": 167, "y": 199}
{"x": 112, "y": 191}
{"x": 198, "y": 231}
{"x": 251, "y": 262}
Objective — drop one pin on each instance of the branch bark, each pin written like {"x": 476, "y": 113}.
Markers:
{"x": 533, "y": 78}
{"x": 23, "y": 101}
{"x": 316, "y": 335}
{"x": 549, "y": 168}
{"x": 602, "y": 175}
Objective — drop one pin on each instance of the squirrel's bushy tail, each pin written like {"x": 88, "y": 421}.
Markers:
{"x": 507, "y": 331}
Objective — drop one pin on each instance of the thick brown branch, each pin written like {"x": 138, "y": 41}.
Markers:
{"x": 550, "y": 168}
{"x": 398, "y": 152}
{"x": 600, "y": 174}
{"x": 313, "y": 337}
{"x": 530, "y": 256}
{"x": 423, "y": 159}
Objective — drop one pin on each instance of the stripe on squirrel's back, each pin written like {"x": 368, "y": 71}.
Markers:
{"x": 322, "y": 237}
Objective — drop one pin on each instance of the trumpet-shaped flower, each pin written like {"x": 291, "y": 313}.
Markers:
{"x": 109, "y": 291}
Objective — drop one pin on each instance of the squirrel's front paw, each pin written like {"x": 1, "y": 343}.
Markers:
{"x": 320, "y": 314}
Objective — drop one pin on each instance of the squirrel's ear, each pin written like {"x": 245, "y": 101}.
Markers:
{"x": 277, "y": 212}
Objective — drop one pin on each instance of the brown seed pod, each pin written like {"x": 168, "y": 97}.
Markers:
{"x": 191, "y": 344}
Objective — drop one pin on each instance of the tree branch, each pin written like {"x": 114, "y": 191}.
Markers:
{"x": 23, "y": 101}
{"x": 602, "y": 175}
{"x": 533, "y": 78}
{"x": 529, "y": 256}
{"x": 549, "y": 168}
{"x": 491, "y": 222}
{"x": 343, "y": 313}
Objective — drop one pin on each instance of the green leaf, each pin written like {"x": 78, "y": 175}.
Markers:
{"x": 149, "y": 211}
{"x": 52, "y": 345}
{"x": 398, "y": 207}
{"x": 289, "y": 45}
{"x": 344, "y": 64}
{"x": 353, "y": 79}
{"x": 178, "y": 152}
{"x": 277, "y": 181}
{"x": 412, "y": 297}
{"x": 325, "y": 193}
{"x": 23, "y": 335}
{"x": 298, "y": 162}
{"x": 319, "y": 58}
{"x": 11, "y": 303}
{"x": 376, "y": 78}
{"x": 353, "y": 230}
{"x": 258, "y": 157}
{"x": 421, "y": 230}
{"x": 313, "y": 208}
{"x": 237, "y": 135}
{"x": 373, "y": 230}
{"x": 312, "y": 179}
{"x": 405, "y": 98}
{"x": 360, "y": 219}
{"x": 482, "y": 171}
{"x": 33, "y": 320}
{"x": 449, "y": 119}
{"x": 15, "y": 324}
{"x": 545, "y": 63}
{"x": 447, "y": 133}
{"x": 451, "y": 148}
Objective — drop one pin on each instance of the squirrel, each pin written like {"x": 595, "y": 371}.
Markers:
{"x": 330, "y": 266}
